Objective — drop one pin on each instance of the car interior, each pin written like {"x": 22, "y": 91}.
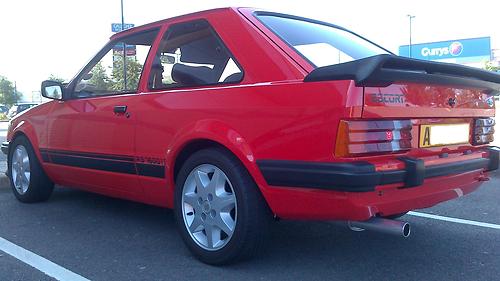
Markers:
{"x": 190, "y": 54}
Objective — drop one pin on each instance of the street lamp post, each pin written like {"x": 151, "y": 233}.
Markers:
{"x": 124, "y": 54}
{"x": 410, "y": 17}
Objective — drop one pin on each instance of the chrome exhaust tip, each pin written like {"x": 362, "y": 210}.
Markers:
{"x": 388, "y": 226}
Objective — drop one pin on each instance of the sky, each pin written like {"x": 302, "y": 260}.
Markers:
{"x": 40, "y": 38}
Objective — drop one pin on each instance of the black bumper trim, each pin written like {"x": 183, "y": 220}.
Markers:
{"x": 494, "y": 158}
{"x": 414, "y": 172}
{"x": 5, "y": 147}
{"x": 356, "y": 176}
{"x": 361, "y": 176}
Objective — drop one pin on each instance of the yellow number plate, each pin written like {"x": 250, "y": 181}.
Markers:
{"x": 443, "y": 134}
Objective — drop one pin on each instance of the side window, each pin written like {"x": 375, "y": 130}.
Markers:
{"x": 109, "y": 75}
{"x": 191, "y": 54}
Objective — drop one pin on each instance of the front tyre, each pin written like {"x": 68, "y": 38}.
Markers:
{"x": 219, "y": 210}
{"x": 27, "y": 179}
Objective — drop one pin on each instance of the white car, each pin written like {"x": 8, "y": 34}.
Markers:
{"x": 18, "y": 108}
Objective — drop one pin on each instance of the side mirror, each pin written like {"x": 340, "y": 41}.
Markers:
{"x": 168, "y": 58}
{"x": 52, "y": 90}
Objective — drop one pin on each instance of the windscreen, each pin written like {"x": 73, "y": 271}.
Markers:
{"x": 321, "y": 44}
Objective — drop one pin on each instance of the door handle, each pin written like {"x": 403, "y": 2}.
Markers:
{"x": 120, "y": 109}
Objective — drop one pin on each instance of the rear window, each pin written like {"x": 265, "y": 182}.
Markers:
{"x": 320, "y": 43}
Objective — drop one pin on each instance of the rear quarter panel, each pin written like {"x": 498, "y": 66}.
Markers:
{"x": 271, "y": 114}
{"x": 289, "y": 120}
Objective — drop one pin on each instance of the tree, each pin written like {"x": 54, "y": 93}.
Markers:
{"x": 53, "y": 77}
{"x": 99, "y": 77}
{"x": 489, "y": 66}
{"x": 8, "y": 93}
{"x": 134, "y": 69}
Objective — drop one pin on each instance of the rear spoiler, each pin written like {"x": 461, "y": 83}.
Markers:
{"x": 384, "y": 70}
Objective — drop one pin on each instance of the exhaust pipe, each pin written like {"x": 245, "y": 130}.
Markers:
{"x": 401, "y": 228}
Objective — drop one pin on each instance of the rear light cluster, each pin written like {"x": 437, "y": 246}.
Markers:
{"x": 366, "y": 137}
{"x": 483, "y": 131}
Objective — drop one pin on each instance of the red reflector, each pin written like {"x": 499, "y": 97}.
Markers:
{"x": 388, "y": 135}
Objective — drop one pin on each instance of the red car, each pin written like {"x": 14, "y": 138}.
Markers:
{"x": 234, "y": 116}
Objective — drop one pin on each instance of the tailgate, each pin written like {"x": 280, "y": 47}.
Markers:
{"x": 413, "y": 100}
{"x": 408, "y": 88}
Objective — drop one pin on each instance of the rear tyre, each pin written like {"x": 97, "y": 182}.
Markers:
{"x": 27, "y": 179}
{"x": 221, "y": 215}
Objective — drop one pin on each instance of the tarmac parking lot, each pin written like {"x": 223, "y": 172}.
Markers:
{"x": 83, "y": 236}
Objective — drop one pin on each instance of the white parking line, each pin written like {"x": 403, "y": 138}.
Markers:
{"x": 44, "y": 265}
{"x": 462, "y": 221}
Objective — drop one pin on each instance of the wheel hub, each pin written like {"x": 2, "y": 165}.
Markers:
{"x": 206, "y": 207}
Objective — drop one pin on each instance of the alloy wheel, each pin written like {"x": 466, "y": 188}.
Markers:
{"x": 21, "y": 172}
{"x": 209, "y": 207}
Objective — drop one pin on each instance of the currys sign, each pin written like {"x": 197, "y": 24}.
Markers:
{"x": 455, "y": 49}
{"x": 464, "y": 50}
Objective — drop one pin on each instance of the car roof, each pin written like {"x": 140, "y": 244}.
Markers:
{"x": 160, "y": 22}
{"x": 234, "y": 10}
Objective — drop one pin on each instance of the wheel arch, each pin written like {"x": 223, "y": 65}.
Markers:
{"x": 216, "y": 135}
{"x": 24, "y": 129}
{"x": 190, "y": 148}
{"x": 19, "y": 133}
{"x": 9, "y": 152}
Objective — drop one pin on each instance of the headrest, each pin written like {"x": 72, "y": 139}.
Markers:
{"x": 192, "y": 75}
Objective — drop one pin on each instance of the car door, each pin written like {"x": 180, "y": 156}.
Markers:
{"x": 91, "y": 134}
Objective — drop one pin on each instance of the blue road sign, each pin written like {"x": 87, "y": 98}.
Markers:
{"x": 119, "y": 46}
{"x": 117, "y": 27}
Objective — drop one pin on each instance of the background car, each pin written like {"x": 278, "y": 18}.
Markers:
{"x": 18, "y": 108}
{"x": 4, "y": 109}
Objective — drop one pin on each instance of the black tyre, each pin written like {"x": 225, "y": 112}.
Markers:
{"x": 220, "y": 212}
{"x": 27, "y": 179}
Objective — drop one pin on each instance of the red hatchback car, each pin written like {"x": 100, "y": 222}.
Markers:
{"x": 234, "y": 116}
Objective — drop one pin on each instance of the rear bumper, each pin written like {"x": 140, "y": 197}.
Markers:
{"x": 357, "y": 191}
{"x": 362, "y": 176}
{"x": 5, "y": 147}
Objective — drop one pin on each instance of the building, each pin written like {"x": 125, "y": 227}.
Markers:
{"x": 472, "y": 51}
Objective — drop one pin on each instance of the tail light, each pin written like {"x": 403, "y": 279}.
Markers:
{"x": 483, "y": 131}
{"x": 365, "y": 137}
